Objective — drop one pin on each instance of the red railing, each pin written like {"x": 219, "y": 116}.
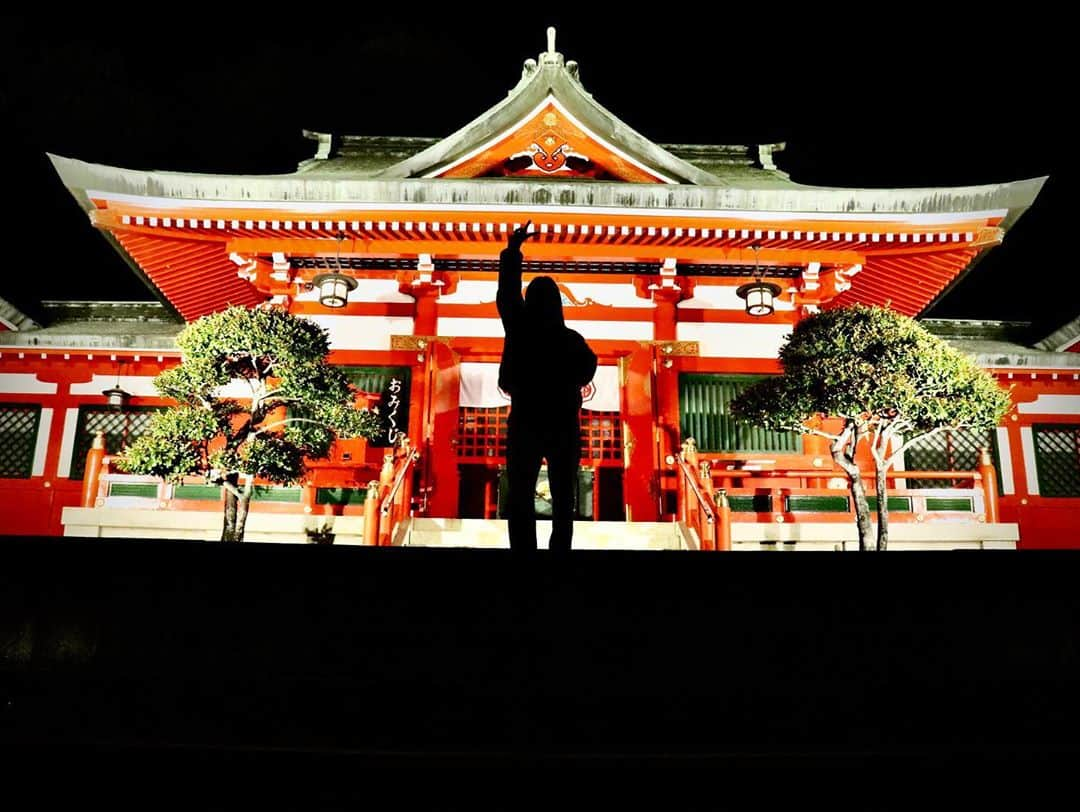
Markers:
{"x": 388, "y": 502}
{"x": 705, "y": 508}
{"x": 389, "y": 498}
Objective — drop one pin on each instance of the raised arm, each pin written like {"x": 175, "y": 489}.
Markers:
{"x": 508, "y": 298}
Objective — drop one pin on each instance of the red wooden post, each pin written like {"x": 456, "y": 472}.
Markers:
{"x": 307, "y": 497}
{"x": 723, "y": 522}
{"x": 92, "y": 472}
{"x": 708, "y": 529}
{"x": 989, "y": 484}
{"x": 371, "y": 514}
{"x": 386, "y": 475}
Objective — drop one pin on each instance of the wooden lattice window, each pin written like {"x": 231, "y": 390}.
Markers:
{"x": 1057, "y": 459}
{"x": 482, "y": 434}
{"x": 949, "y": 450}
{"x": 601, "y": 436}
{"x": 122, "y": 427}
{"x": 18, "y": 438}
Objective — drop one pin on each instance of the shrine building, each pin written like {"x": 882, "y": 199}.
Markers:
{"x": 683, "y": 265}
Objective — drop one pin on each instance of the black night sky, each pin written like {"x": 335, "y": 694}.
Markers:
{"x": 908, "y": 98}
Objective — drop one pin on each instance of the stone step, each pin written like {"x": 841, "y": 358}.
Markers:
{"x": 492, "y": 533}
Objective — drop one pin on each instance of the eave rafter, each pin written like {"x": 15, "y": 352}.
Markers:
{"x": 187, "y": 254}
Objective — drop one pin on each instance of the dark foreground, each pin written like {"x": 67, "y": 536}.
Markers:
{"x": 129, "y": 652}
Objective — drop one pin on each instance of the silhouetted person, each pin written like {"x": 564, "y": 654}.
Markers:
{"x": 543, "y": 368}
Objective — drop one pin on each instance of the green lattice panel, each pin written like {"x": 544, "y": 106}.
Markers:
{"x": 272, "y": 494}
{"x": 948, "y": 451}
{"x": 816, "y": 504}
{"x": 18, "y": 436}
{"x": 212, "y": 493}
{"x": 705, "y": 415}
{"x": 961, "y": 504}
{"x": 144, "y": 490}
{"x": 897, "y": 504}
{"x": 121, "y": 429}
{"x": 759, "y": 503}
{"x": 340, "y": 496}
{"x": 208, "y": 493}
{"x": 1057, "y": 459}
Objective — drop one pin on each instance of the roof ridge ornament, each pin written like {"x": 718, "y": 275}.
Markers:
{"x": 550, "y": 56}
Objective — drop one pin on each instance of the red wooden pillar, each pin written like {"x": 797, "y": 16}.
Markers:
{"x": 665, "y": 321}
{"x": 442, "y": 476}
{"x": 640, "y": 475}
{"x": 425, "y": 317}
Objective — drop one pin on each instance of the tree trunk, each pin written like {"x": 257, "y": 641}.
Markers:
{"x": 243, "y": 503}
{"x": 882, "y": 507}
{"x": 843, "y": 453}
{"x": 228, "y": 530}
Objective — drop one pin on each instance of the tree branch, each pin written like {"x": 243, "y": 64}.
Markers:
{"x": 273, "y": 395}
{"x": 818, "y": 433}
{"x": 229, "y": 487}
{"x": 925, "y": 434}
{"x": 266, "y": 429}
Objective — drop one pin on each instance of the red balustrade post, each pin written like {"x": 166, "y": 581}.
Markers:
{"x": 708, "y": 528}
{"x": 989, "y": 485}
{"x": 723, "y": 521}
{"x": 371, "y": 514}
{"x": 92, "y": 472}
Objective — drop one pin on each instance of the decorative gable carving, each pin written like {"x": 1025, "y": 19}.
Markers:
{"x": 550, "y": 143}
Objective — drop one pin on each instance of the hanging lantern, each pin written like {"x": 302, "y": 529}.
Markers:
{"x": 759, "y": 294}
{"x": 759, "y": 297}
{"x": 116, "y": 396}
{"x": 334, "y": 289}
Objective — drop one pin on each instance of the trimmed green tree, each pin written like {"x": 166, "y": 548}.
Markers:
{"x": 884, "y": 376}
{"x": 294, "y": 405}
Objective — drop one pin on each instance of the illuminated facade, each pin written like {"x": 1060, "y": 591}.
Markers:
{"x": 654, "y": 247}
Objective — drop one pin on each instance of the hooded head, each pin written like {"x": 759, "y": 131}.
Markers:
{"x": 543, "y": 302}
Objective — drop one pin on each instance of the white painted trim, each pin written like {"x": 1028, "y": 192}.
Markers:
{"x": 1070, "y": 369}
{"x": 1051, "y": 404}
{"x": 24, "y": 383}
{"x": 362, "y": 332}
{"x": 1008, "y": 483}
{"x": 460, "y": 327}
{"x": 83, "y": 350}
{"x": 914, "y": 218}
{"x": 723, "y": 297}
{"x": 41, "y": 447}
{"x": 735, "y": 340}
{"x": 549, "y": 99}
{"x": 141, "y": 386}
{"x": 471, "y": 291}
{"x": 67, "y": 442}
{"x": 609, "y": 294}
{"x": 9, "y": 324}
{"x": 1027, "y": 443}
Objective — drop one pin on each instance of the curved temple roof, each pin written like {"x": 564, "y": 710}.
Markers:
{"x": 547, "y": 149}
